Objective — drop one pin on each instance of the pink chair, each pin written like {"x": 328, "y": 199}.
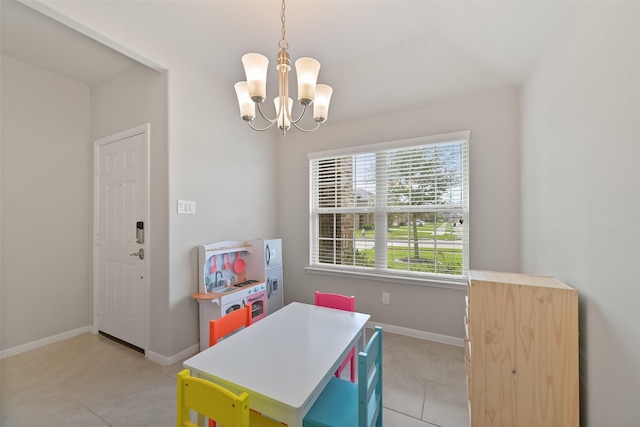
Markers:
{"x": 340, "y": 302}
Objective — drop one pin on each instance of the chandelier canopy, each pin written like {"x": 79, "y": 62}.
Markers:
{"x": 253, "y": 91}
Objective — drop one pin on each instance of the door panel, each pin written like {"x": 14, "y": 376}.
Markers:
{"x": 121, "y": 178}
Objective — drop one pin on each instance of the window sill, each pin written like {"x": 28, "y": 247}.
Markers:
{"x": 457, "y": 284}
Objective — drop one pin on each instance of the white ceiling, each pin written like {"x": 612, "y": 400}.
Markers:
{"x": 378, "y": 55}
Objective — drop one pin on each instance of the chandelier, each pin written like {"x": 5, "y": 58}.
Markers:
{"x": 252, "y": 93}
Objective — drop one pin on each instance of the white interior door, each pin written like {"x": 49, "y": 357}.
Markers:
{"x": 120, "y": 266}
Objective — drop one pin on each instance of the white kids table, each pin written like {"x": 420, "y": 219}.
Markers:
{"x": 285, "y": 360}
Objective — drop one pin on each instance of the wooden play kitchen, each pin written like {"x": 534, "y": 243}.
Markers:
{"x": 521, "y": 351}
{"x": 233, "y": 274}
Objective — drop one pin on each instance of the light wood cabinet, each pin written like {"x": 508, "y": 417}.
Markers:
{"x": 521, "y": 351}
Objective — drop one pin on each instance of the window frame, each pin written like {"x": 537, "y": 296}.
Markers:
{"x": 385, "y": 274}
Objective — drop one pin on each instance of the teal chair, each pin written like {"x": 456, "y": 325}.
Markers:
{"x": 345, "y": 404}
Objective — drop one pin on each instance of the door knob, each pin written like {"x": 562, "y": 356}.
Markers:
{"x": 140, "y": 253}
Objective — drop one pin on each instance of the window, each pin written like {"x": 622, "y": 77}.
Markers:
{"x": 392, "y": 209}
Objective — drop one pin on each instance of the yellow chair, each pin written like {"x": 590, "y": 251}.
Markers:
{"x": 215, "y": 402}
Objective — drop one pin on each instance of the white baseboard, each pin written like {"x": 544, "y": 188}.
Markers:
{"x": 195, "y": 349}
{"x": 170, "y": 360}
{"x": 415, "y": 333}
{"x": 13, "y": 351}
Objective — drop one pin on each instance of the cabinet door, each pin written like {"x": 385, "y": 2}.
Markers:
{"x": 525, "y": 354}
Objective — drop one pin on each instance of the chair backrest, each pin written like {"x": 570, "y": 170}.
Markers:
{"x": 341, "y": 302}
{"x": 370, "y": 382}
{"x": 210, "y": 400}
{"x": 229, "y": 323}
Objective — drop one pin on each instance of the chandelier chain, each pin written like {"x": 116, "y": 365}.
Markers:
{"x": 283, "y": 43}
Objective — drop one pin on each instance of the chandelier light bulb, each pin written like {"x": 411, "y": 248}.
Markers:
{"x": 307, "y": 70}
{"x": 284, "y": 116}
{"x": 247, "y": 106}
{"x": 255, "y": 68}
{"x": 321, "y": 103}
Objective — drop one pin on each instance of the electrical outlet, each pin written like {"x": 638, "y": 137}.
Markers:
{"x": 385, "y": 298}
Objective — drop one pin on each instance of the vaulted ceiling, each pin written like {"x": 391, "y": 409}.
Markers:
{"x": 378, "y": 55}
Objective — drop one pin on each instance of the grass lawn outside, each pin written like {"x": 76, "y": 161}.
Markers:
{"x": 447, "y": 261}
{"x": 433, "y": 257}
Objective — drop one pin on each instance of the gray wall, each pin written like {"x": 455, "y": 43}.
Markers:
{"x": 46, "y": 204}
{"x": 494, "y": 219}
{"x": 227, "y": 169}
{"x": 131, "y": 98}
{"x": 580, "y": 223}
{"x": 49, "y": 123}
{"x": 212, "y": 159}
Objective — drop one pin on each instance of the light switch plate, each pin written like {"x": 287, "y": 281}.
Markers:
{"x": 187, "y": 207}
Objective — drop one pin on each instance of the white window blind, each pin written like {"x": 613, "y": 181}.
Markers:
{"x": 398, "y": 208}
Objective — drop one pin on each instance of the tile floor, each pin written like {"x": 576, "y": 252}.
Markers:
{"x": 90, "y": 380}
